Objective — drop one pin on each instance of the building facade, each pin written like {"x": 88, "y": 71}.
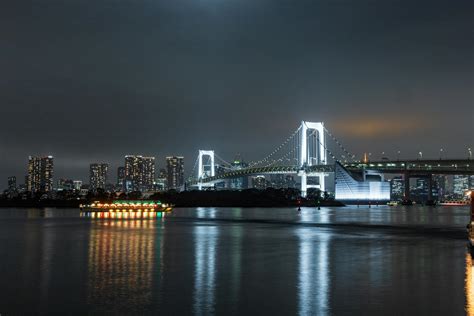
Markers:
{"x": 349, "y": 189}
{"x": 40, "y": 174}
{"x": 175, "y": 172}
{"x": 460, "y": 185}
{"x": 139, "y": 173}
{"x": 397, "y": 188}
{"x": 98, "y": 176}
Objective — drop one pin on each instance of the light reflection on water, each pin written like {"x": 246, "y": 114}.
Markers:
{"x": 121, "y": 264}
{"x": 469, "y": 285}
{"x": 214, "y": 260}
{"x": 313, "y": 276}
{"x": 205, "y": 269}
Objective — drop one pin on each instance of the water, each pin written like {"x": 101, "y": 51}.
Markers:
{"x": 336, "y": 261}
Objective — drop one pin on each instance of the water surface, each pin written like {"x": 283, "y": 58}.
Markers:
{"x": 333, "y": 261}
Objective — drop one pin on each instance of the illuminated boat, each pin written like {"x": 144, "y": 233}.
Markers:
{"x": 124, "y": 209}
{"x": 455, "y": 203}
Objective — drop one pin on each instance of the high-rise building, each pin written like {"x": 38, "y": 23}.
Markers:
{"x": 397, "y": 188}
{"x": 422, "y": 188}
{"x": 120, "y": 179}
{"x": 460, "y": 185}
{"x": 148, "y": 174}
{"x": 175, "y": 170}
{"x": 139, "y": 173}
{"x": 161, "y": 181}
{"x": 40, "y": 174}
{"x": 242, "y": 182}
{"x": 98, "y": 176}
{"x": 12, "y": 183}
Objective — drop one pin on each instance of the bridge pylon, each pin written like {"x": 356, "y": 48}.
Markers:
{"x": 202, "y": 173}
{"x": 305, "y": 158}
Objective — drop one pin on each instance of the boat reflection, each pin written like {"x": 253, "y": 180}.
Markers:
{"x": 469, "y": 285}
{"x": 120, "y": 263}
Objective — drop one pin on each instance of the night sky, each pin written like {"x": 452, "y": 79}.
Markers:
{"x": 92, "y": 81}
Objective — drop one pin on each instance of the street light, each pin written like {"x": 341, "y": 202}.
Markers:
{"x": 470, "y": 153}
{"x": 440, "y": 153}
{"x": 421, "y": 155}
{"x": 398, "y": 155}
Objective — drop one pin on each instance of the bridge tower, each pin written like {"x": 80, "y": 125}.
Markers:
{"x": 304, "y": 157}
{"x": 201, "y": 172}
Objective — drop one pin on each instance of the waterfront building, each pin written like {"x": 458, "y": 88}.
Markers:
{"x": 421, "y": 190}
{"x": 397, "y": 188}
{"x": 349, "y": 189}
{"x": 175, "y": 172}
{"x": 12, "y": 183}
{"x": 440, "y": 186}
{"x": 98, "y": 176}
{"x": 259, "y": 182}
{"x": 40, "y": 173}
{"x": 460, "y": 185}
{"x": 139, "y": 173}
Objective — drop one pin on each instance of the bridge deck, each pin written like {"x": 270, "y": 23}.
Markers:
{"x": 412, "y": 167}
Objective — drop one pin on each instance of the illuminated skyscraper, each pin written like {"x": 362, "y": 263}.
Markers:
{"x": 460, "y": 184}
{"x": 40, "y": 174}
{"x": 98, "y": 176}
{"x": 175, "y": 168}
{"x": 139, "y": 173}
{"x": 397, "y": 188}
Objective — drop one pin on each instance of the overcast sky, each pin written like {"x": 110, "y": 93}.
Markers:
{"x": 91, "y": 81}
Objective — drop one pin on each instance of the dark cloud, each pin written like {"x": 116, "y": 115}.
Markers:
{"x": 95, "y": 80}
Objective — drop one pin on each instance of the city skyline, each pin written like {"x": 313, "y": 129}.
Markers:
{"x": 234, "y": 76}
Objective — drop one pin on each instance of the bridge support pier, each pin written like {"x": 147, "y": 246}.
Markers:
{"x": 304, "y": 156}
{"x": 201, "y": 171}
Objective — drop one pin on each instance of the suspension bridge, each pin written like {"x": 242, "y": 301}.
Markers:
{"x": 312, "y": 153}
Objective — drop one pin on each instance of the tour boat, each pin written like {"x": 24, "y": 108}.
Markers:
{"x": 454, "y": 203}
{"x": 125, "y": 209}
